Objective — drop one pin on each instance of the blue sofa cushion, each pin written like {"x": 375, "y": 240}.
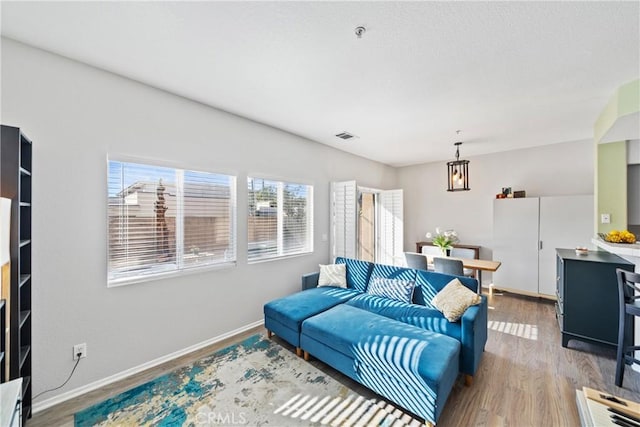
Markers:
{"x": 358, "y": 273}
{"x": 393, "y": 272}
{"x": 387, "y": 345}
{"x": 293, "y": 309}
{"x": 428, "y": 318}
{"x": 429, "y": 283}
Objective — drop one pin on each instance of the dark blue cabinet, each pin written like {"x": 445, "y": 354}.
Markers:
{"x": 587, "y": 294}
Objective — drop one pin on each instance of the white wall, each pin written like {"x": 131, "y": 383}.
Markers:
{"x": 550, "y": 170}
{"x": 76, "y": 115}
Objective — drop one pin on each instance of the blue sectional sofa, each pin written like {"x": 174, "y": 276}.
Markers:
{"x": 409, "y": 353}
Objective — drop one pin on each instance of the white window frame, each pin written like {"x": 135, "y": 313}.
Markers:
{"x": 177, "y": 269}
{"x": 280, "y": 254}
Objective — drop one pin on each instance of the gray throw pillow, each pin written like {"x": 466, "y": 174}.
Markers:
{"x": 396, "y": 289}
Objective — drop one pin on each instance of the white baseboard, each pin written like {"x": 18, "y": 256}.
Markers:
{"x": 46, "y": 404}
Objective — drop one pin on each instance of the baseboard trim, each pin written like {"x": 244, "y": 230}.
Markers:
{"x": 46, "y": 404}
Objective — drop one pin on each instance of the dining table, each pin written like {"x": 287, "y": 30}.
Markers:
{"x": 478, "y": 265}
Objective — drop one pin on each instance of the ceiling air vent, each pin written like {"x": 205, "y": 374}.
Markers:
{"x": 345, "y": 135}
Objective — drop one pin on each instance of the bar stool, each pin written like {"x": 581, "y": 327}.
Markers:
{"x": 629, "y": 304}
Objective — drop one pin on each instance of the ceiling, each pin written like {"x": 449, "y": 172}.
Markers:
{"x": 508, "y": 74}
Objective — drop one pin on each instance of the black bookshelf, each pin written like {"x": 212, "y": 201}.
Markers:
{"x": 3, "y": 338}
{"x": 15, "y": 171}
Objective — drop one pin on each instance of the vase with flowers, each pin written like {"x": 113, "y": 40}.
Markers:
{"x": 443, "y": 239}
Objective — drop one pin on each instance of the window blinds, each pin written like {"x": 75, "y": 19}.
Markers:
{"x": 343, "y": 218}
{"x": 165, "y": 220}
{"x": 390, "y": 228}
{"x": 279, "y": 219}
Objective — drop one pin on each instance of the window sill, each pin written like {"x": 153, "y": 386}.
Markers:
{"x": 114, "y": 283}
{"x": 278, "y": 257}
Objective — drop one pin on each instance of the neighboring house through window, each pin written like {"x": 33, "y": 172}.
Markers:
{"x": 165, "y": 220}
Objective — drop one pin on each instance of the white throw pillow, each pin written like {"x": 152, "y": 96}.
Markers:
{"x": 454, "y": 299}
{"x": 333, "y": 275}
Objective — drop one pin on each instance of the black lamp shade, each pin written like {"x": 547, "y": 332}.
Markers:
{"x": 458, "y": 175}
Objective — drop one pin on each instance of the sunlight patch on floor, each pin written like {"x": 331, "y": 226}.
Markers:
{"x": 522, "y": 330}
{"x": 345, "y": 411}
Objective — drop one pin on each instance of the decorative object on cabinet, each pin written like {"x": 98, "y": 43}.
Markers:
{"x": 586, "y": 285}
{"x": 458, "y": 172}
{"x": 629, "y": 308}
{"x": 15, "y": 184}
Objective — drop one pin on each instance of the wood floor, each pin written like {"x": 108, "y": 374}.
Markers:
{"x": 525, "y": 378}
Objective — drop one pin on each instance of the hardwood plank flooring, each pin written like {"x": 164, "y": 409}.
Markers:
{"x": 62, "y": 414}
{"x": 525, "y": 378}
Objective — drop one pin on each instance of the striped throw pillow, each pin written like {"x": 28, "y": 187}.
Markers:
{"x": 333, "y": 275}
{"x": 396, "y": 289}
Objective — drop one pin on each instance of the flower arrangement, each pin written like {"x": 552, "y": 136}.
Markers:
{"x": 624, "y": 236}
{"x": 444, "y": 240}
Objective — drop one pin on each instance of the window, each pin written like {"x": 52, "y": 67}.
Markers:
{"x": 280, "y": 220}
{"x": 367, "y": 222}
{"x": 344, "y": 219}
{"x": 165, "y": 220}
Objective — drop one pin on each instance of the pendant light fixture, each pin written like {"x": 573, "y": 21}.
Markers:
{"x": 458, "y": 172}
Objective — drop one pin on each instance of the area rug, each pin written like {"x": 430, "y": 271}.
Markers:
{"x": 256, "y": 382}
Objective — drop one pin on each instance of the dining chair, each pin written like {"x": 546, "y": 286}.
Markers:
{"x": 431, "y": 250}
{"x": 448, "y": 266}
{"x": 416, "y": 260}
{"x": 629, "y": 307}
{"x": 465, "y": 253}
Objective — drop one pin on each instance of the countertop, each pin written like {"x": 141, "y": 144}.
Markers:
{"x": 618, "y": 248}
{"x": 592, "y": 256}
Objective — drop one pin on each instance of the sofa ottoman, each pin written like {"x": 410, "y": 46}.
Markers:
{"x": 410, "y": 366}
{"x": 284, "y": 316}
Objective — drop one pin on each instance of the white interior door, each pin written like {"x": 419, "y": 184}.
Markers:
{"x": 565, "y": 222}
{"x": 390, "y": 228}
{"x": 515, "y": 244}
{"x": 343, "y": 219}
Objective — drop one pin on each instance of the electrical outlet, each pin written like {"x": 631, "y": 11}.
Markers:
{"x": 605, "y": 219}
{"x": 80, "y": 349}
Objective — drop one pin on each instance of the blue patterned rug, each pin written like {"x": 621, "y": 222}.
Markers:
{"x": 255, "y": 382}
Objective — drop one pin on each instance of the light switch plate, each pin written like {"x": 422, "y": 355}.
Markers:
{"x": 605, "y": 219}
